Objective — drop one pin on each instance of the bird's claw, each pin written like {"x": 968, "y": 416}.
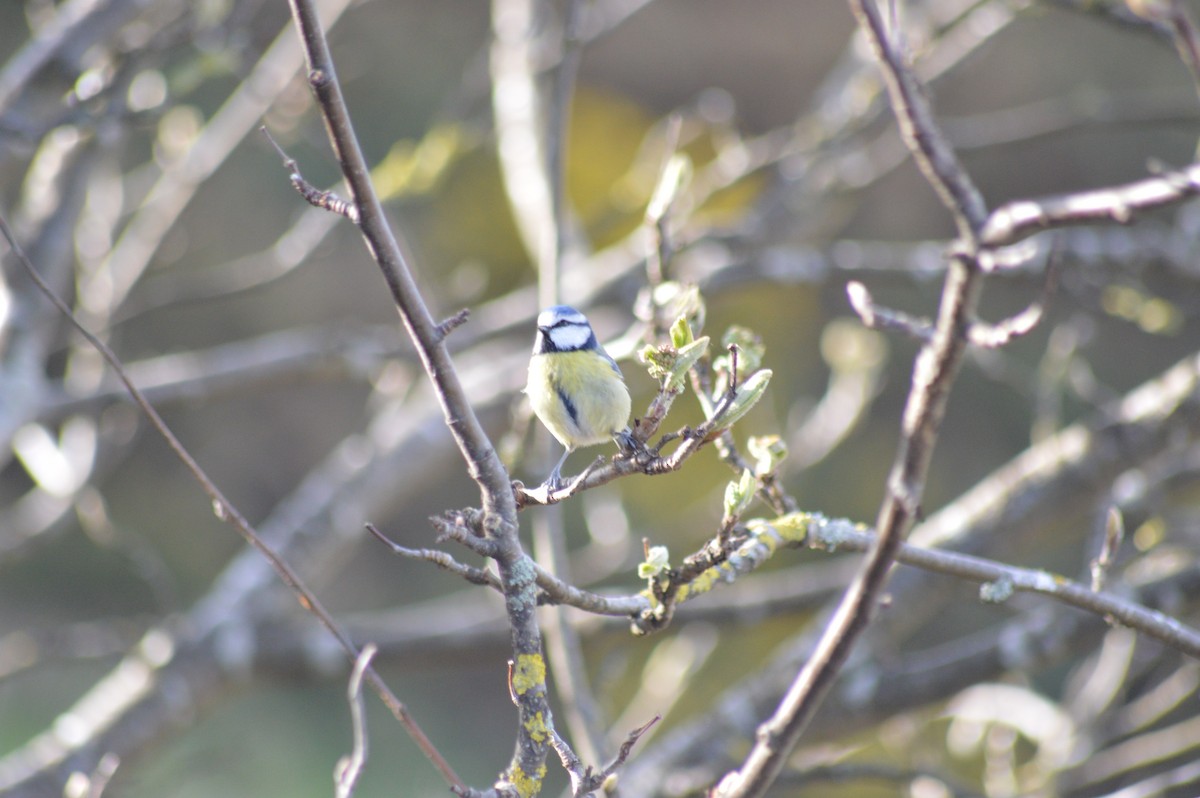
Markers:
{"x": 627, "y": 443}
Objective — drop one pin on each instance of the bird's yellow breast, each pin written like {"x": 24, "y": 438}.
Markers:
{"x": 578, "y": 396}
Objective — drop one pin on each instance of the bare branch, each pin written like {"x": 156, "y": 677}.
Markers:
{"x": 1002, "y": 580}
{"x": 933, "y": 375}
{"x": 499, "y": 506}
{"x": 1016, "y": 220}
{"x": 878, "y": 317}
{"x": 476, "y": 576}
{"x": 994, "y": 336}
{"x": 326, "y": 200}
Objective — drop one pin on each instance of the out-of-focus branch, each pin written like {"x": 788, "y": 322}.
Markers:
{"x": 1014, "y": 221}
{"x": 74, "y": 24}
{"x": 1174, "y": 16}
{"x": 238, "y": 367}
{"x": 307, "y": 526}
{"x": 1150, "y": 418}
{"x": 106, "y": 289}
{"x": 521, "y": 145}
{"x": 877, "y": 317}
{"x": 349, "y": 768}
{"x": 108, "y": 697}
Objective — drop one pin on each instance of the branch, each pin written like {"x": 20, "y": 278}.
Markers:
{"x": 499, "y": 506}
{"x": 476, "y": 449}
{"x": 934, "y": 373}
{"x": 476, "y": 576}
{"x": 877, "y": 317}
{"x": 1001, "y": 581}
{"x": 1022, "y": 218}
{"x": 929, "y": 148}
{"x": 875, "y": 689}
{"x": 317, "y": 353}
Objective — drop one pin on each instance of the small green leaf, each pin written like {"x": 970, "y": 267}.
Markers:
{"x": 738, "y": 495}
{"x": 685, "y": 358}
{"x": 681, "y": 333}
{"x": 748, "y": 394}
{"x": 768, "y": 452}
{"x": 657, "y": 561}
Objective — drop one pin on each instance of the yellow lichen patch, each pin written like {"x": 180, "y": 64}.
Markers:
{"x": 768, "y": 539}
{"x": 705, "y": 581}
{"x": 536, "y": 726}
{"x": 529, "y": 672}
{"x": 527, "y": 785}
{"x": 792, "y": 527}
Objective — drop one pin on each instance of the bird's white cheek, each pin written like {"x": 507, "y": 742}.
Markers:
{"x": 572, "y": 337}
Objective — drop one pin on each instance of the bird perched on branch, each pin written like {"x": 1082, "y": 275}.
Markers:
{"x": 575, "y": 387}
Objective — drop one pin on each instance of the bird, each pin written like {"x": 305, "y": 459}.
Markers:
{"x": 575, "y": 387}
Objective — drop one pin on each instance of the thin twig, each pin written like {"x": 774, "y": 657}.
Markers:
{"x": 878, "y": 317}
{"x": 476, "y": 576}
{"x": 326, "y": 200}
{"x": 995, "y": 336}
{"x": 349, "y": 768}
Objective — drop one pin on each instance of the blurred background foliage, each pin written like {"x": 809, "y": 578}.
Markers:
{"x": 278, "y": 360}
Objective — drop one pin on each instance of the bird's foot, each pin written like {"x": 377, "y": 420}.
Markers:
{"x": 627, "y": 443}
{"x": 553, "y": 482}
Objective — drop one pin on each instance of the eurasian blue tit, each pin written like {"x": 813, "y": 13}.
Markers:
{"x": 575, "y": 387}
